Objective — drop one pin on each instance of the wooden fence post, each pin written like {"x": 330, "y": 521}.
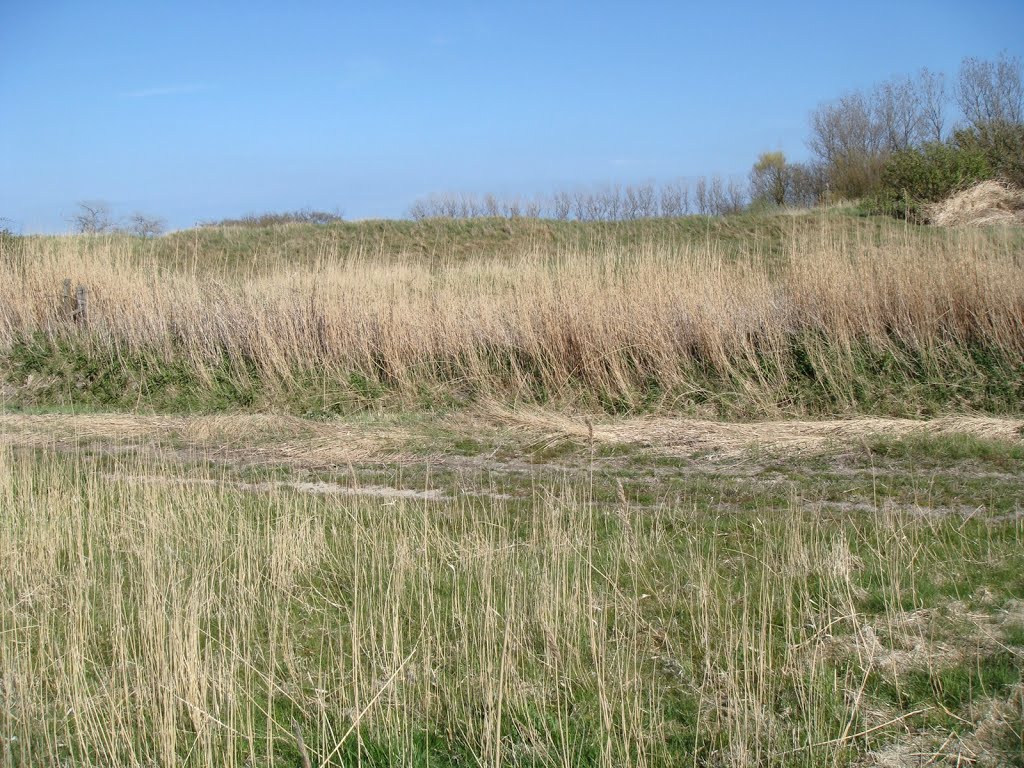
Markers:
{"x": 81, "y": 305}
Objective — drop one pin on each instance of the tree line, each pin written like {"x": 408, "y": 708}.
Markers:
{"x": 709, "y": 196}
{"x": 893, "y": 147}
{"x": 94, "y": 217}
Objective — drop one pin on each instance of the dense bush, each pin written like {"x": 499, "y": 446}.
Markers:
{"x": 1001, "y": 144}
{"x": 915, "y": 177}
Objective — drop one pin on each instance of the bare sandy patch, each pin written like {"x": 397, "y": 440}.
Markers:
{"x": 316, "y": 488}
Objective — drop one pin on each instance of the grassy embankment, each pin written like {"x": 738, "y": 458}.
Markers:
{"x": 751, "y": 316}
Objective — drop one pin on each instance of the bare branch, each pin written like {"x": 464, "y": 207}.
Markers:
{"x": 146, "y": 226}
{"x": 93, "y": 217}
{"x": 991, "y": 92}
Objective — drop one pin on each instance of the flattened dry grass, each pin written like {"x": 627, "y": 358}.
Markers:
{"x": 237, "y": 438}
{"x": 680, "y": 436}
{"x": 987, "y": 203}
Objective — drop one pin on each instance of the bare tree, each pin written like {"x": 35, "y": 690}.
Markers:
{"x": 579, "y": 205}
{"x": 899, "y": 111}
{"x": 717, "y": 201}
{"x": 735, "y": 197}
{"x": 610, "y": 203}
{"x": 594, "y": 207}
{"x": 419, "y": 210}
{"x": 561, "y": 204}
{"x": 674, "y": 200}
{"x": 93, "y": 217}
{"x": 808, "y": 184}
{"x": 146, "y": 226}
{"x": 533, "y": 209}
{"x": 991, "y": 93}
{"x": 647, "y": 201}
{"x": 631, "y": 203}
{"x": 491, "y": 207}
{"x": 701, "y": 197}
{"x": 848, "y": 141}
{"x": 843, "y": 128}
{"x": 932, "y": 87}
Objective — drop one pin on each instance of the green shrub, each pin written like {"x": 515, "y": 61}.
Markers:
{"x": 913, "y": 178}
{"x": 1002, "y": 146}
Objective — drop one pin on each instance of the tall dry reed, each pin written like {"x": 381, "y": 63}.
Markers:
{"x": 561, "y": 325}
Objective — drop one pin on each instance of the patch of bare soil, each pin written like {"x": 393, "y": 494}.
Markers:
{"x": 891, "y": 506}
{"x": 980, "y": 747}
{"x": 912, "y": 641}
{"x": 900, "y": 641}
{"x": 316, "y": 488}
{"x": 917, "y": 750}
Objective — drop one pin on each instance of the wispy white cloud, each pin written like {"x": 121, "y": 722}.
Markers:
{"x": 166, "y": 90}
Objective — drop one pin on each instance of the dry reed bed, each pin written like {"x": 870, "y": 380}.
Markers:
{"x": 608, "y": 322}
{"x": 191, "y": 624}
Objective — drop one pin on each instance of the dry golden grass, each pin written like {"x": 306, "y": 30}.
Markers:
{"x": 238, "y": 439}
{"x": 677, "y": 436}
{"x": 648, "y": 327}
{"x": 254, "y": 440}
{"x": 190, "y": 623}
{"x": 985, "y": 204}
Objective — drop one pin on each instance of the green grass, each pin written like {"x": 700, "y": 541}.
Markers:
{"x": 953, "y": 688}
{"x": 62, "y": 373}
{"x": 236, "y": 247}
{"x": 254, "y": 248}
{"x": 1013, "y": 634}
{"x": 937, "y": 449}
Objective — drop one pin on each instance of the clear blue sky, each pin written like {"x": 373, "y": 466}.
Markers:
{"x": 195, "y": 110}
